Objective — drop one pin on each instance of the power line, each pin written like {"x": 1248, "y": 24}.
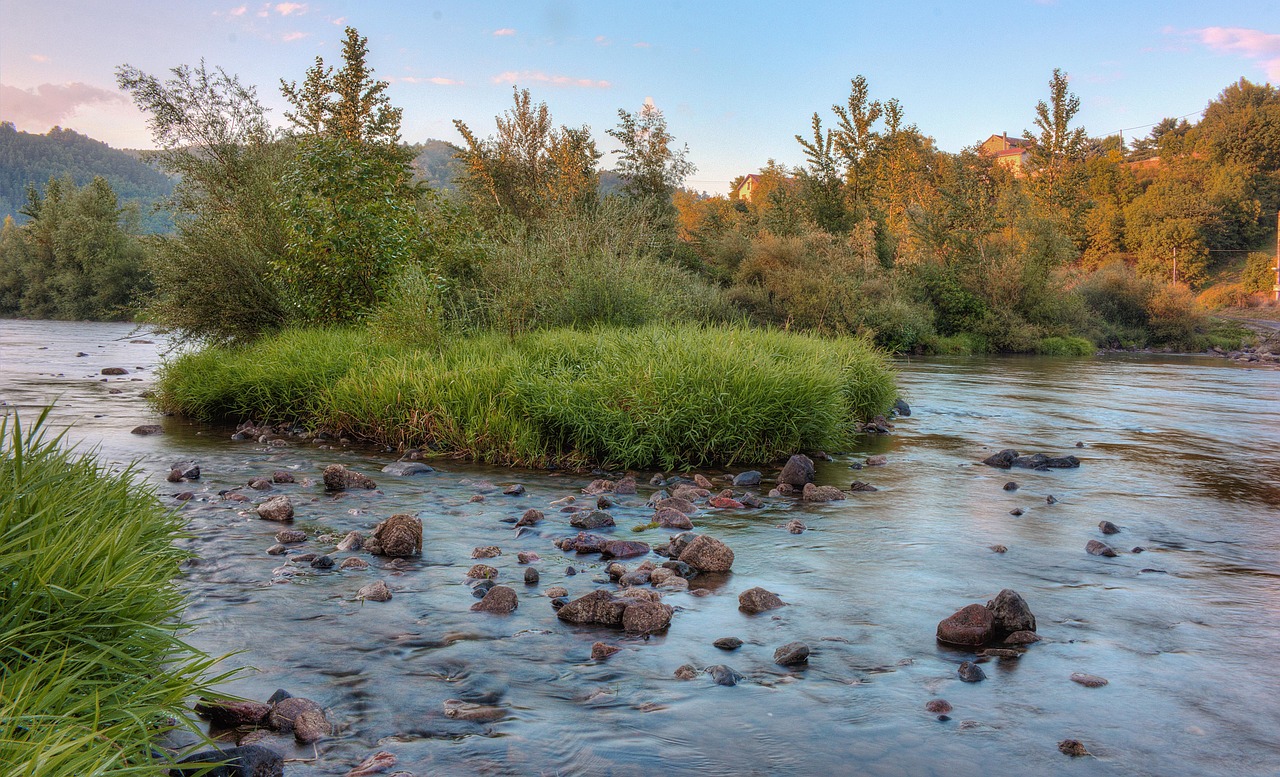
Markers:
{"x": 1154, "y": 123}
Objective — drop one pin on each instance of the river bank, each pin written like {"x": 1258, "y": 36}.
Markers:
{"x": 1182, "y": 632}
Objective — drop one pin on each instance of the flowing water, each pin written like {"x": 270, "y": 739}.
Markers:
{"x": 1182, "y": 453}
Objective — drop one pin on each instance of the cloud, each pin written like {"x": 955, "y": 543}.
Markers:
{"x": 437, "y": 80}
{"x": 290, "y": 37}
{"x": 239, "y": 10}
{"x": 537, "y": 76}
{"x": 603, "y": 41}
{"x": 289, "y": 9}
{"x": 50, "y": 104}
{"x": 505, "y": 31}
{"x": 341, "y": 20}
{"x": 641, "y": 45}
{"x": 1261, "y": 47}
{"x": 39, "y": 58}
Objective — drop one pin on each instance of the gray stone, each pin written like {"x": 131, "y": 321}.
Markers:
{"x": 971, "y": 672}
{"x": 247, "y": 761}
{"x": 728, "y": 643}
{"x": 814, "y": 493}
{"x": 277, "y": 508}
{"x": 406, "y": 468}
{"x": 724, "y": 675}
{"x": 748, "y": 478}
{"x": 797, "y": 471}
{"x": 1011, "y": 613}
{"x": 791, "y": 654}
{"x": 591, "y": 520}
{"x": 376, "y": 591}
{"x": 1096, "y": 548}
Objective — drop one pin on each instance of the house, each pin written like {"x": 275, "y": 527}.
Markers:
{"x": 744, "y": 188}
{"x": 1009, "y": 153}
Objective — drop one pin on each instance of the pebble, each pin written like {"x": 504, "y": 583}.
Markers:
{"x": 488, "y": 551}
{"x": 1011, "y": 486}
{"x": 686, "y": 672}
{"x": 791, "y": 654}
{"x": 531, "y": 576}
{"x": 940, "y": 706}
{"x": 499, "y": 599}
{"x": 999, "y": 548}
{"x": 1016, "y": 511}
{"x": 1096, "y": 548}
{"x": 353, "y": 563}
{"x": 728, "y": 643}
{"x": 1107, "y": 527}
{"x": 601, "y": 650}
{"x": 1088, "y": 680}
{"x": 376, "y": 591}
{"x": 796, "y": 526}
{"x": 322, "y": 562}
{"x": 724, "y": 675}
{"x": 1072, "y": 747}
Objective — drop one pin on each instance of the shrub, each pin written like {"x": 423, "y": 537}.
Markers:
{"x": 1174, "y": 318}
{"x": 94, "y": 670}
{"x": 1259, "y": 272}
{"x": 413, "y": 311}
{"x": 1065, "y": 346}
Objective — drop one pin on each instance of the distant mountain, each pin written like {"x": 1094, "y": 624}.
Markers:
{"x": 437, "y": 164}
{"x": 27, "y": 158}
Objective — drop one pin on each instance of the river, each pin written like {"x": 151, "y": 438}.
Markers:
{"x": 1183, "y": 453}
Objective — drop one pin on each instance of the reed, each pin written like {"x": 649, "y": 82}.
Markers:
{"x": 94, "y": 669}
{"x": 651, "y": 396}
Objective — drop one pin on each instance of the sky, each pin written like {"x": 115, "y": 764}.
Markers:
{"x": 735, "y": 80}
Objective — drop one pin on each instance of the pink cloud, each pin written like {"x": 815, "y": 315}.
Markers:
{"x": 537, "y": 76}
{"x": 641, "y": 45}
{"x": 1256, "y": 45}
{"x": 289, "y": 9}
{"x": 603, "y": 41}
{"x": 505, "y": 31}
{"x": 239, "y": 10}
{"x": 437, "y": 80}
{"x": 39, "y": 58}
{"x": 290, "y": 37}
{"x": 50, "y": 104}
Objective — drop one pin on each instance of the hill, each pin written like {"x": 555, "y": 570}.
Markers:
{"x": 436, "y": 163}
{"x": 29, "y": 158}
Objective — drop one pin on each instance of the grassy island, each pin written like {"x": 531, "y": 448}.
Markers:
{"x": 663, "y": 396}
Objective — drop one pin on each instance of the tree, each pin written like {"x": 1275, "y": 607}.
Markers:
{"x": 348, "y": 193}
{"x": 650, "y": 167}
{"x": 214, "y": 278}
{"x": 855, "y": 141}
{"x": 822, "y": 187}
{"x": 1057, "y": 145}
{"x": 530, "y": 168}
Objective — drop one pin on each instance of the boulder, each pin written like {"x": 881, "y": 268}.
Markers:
{"x": 353, "y": 541}
{"x": 797, "y": 471}
{"x": 1072, "y": 747}
{"x": 599, "y": 487}
{"x": 515, "y": 489}
{"x": 791, "y": 654}
{"x": 281, "y": 476}
{"x": 686, "y": 672}
{"x": 938, "y": 706}
{"x": 353, "y": 563}
{"x": 1010, "y": 614}
{"x": 596, "y": 608}
{"x": 969, "y": 626}
{"x": 624, "y": 549}
{"x": 726, "y": 503}
{"x": 814, "y": 493}
{"x": 277, "y": 508}
{"x": 601, "y": 650}
{"x": 406, "y": 468}
{"x": 646, "y": 617}
{"x": 970, "y": 672}
{"x": 1107, "y": 527}
{"x": 147, "y": 429}
{"x": 530, "y": 517}
{"x": 901, "y": 408}
{"x": 672, "y": 519}
{"x": 247, "y": 761}
{"x": 311, "y": 726}
{"x": 376, "y": 591}
{"x": 796, "y": 526}
{"x": 339, "y": 478}
{"x": 754, "y": 600}
{"x": 500, "y": 599}
{"x": 858, "y": 485}
{"x": 187, "y": 470}
{"x": 400, "y": 536}
{"x": 748, "y": 478}
{"x": 232, "y": 714}
{"x": 724, "y": 675}
{"x": 531, "y": 576}
{"x": 1022, "y": 638}
{"x": 728, "y": 643}
{"x": 284, "y": 713}
{"x": 583, "y": 543}
{"x": 689, "y": 493}
{"x": 707, "y": 554}
{"x": 114, "y": 371}
{"x": 488, "y": 551}
{"x": 594, "y": 519}
{"x": 625, "y": 487}
{"x": 879, "y": 460}
{"x": 1003, "y": 460}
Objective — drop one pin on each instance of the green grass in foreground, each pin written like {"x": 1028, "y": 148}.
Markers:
{"x": 649, "y": 396}
{"x": 93, "y": 670}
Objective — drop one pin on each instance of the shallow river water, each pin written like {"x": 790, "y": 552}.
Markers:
{"x": 1183, "y": 453}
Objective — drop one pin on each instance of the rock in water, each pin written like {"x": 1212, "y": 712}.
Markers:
{"x": 1096, "y": 548}
{"x": 591, "y": 520}
{"x": 1088, "y": 680}
{"x": 311, "y": 726}
{"x": 475, "y": 713}
{"x": 748, "y": 478}
{"x": 971, "y": 672}
{"x": 724, "y": 675}
{"x": 646, "y": 617}
{"x": 230, "y": 714}
{"x": 969, "y": 626}
{"x": 728, "y": 643}
{"x": 406, "y": 468}
{"x": 938, "y": 706}
{"x": 707, "y": 554}
{"x": 597, "y": 607}
{"x": 339, "y": 478}
{"x": 1107, "y": 527}
{"x": 1011, "y": 613}
{"x": 601, "y": 650}
{"x": 400, "y": 536}
{"x": 499, "y": 599}
{"x": 377, "y": 763}
{"x": 277, "y": 508}
{"x": 1072, "y": 747}
{"x": 814, "y": 493}
{"x": 285, "y": 712}
{"x": 147, "y": 429}
{"x": 791, "y": 654}
{"x": 531, "y": 576}
{"x": 754, "y": 600}
{"x": 797, "y": 471}
{"x": 376, "y": 591}
{"x": 248, "y": 761}
{"x": 1004, "y": 459}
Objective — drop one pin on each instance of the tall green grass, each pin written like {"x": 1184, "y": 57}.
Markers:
{"x": 664, "y": 396}
{"x": 92, "y": 669}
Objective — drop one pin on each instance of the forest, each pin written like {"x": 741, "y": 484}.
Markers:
{"x": 1059, "y": 243}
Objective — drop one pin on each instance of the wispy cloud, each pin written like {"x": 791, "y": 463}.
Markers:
{"x": 504, "y": 32}
{"x": 641, "y": 45}
{"x": 50, "y": 104}
{"x": 39, "y": 58}
{"x": 341, "y": 20}
{"x": 289, "y": 9}
{"x": 239, "y": 10}
{"x": 537, "y": 76}
{"x": 290, "y": 37}
{"x": 603, "y": 41}
{"x": 1261, "y": 47}
{"x": 437, "y": 80}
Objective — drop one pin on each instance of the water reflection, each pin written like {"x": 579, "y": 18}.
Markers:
{"x": 1182, "y": 454}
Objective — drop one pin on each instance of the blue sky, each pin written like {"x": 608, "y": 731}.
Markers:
{"x": 736, "y": 80}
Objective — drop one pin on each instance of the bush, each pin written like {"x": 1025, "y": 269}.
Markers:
{"x": 1065, "y": 346}
{"x": 1259, "y": 272}
{"x": 94, "y": 670}
{"x": 650, "y": 396}
{"x": 1173, "y": 316}
{"x": 413, "y": 311}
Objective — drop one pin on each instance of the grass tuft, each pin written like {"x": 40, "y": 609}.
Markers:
{"x": 94, "y": 670}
